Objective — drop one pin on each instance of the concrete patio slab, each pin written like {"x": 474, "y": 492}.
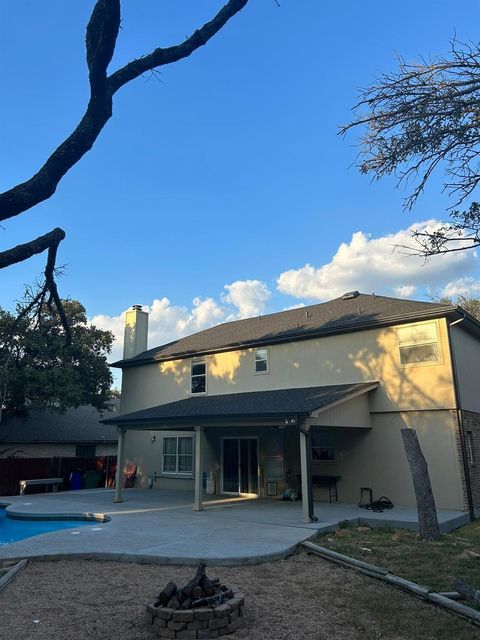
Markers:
{"x": 160, "y": 526}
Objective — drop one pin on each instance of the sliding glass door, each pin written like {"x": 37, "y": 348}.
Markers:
{"x": 240, "y": 465}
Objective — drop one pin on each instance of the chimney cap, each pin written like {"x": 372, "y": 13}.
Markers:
{"x": 137, "y": 307}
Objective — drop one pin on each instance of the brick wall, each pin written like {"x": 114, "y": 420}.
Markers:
{"x": 471, "y": 431}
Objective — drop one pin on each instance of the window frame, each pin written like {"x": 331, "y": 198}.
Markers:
{"x": 198, "y": 360}
{"x": 267, "y": 360}
{"x": 177, "y": 473}
{"x": 412, "y": 343}
{"x": 324, "y": 434}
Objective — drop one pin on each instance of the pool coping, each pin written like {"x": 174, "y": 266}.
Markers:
{"x": 59, "y": 517}
{"x": 188, "y": 561}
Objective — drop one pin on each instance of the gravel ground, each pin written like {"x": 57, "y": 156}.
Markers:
{"x": 303, "y": 597}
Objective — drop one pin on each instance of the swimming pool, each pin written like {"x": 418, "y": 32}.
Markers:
{"x": 12, "y": 529}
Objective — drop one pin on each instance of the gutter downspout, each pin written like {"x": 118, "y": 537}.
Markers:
{"x": 466, "y": 470}
{"x": 306, "y": 471}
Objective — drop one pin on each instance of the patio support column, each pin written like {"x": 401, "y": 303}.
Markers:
{"x": 198, "y": 504}
{"x": 120, "y": 464}
{"x": 306, "y": 474}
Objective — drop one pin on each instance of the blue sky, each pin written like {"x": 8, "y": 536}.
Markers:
{"x": 228, "y": 171}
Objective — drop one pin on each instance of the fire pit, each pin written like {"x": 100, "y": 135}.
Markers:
{"x": 203, "y": 608}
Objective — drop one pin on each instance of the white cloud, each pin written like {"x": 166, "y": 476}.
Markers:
{"x": 166, "y": 322}
{"x": 468, "y": 287}
{"x": 365, "y": 263}
{"x": 169, "y": 322}
{"x": 406, "y": 291}
{"x": 249, "y": 296}
{"x": 377, "y": 265}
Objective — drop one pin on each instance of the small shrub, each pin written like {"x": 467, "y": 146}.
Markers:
{"x": 345, "y": 524}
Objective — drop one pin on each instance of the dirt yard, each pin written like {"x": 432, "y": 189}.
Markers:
{"x": 303, "y": 597}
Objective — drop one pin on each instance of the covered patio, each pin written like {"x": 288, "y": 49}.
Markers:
{"x": 258, "y": 443}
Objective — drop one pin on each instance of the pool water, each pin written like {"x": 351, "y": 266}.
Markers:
{"x": 12, "y": 530}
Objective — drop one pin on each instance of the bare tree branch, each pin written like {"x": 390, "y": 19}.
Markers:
{"x": 48, "y": 242}
{"x": 161, "y": 57}
{"x": 100, "y": 41}
{"x": 101, "y": 37}
{"x": 423, "y": 116}
{"x": 420, "y": 116}
{"x": 25, "y": 251}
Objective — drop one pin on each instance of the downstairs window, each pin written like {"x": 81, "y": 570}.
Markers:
{"x": 178, "y": 455}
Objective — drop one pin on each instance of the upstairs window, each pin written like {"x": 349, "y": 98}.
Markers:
{"x": 261, "y": 360}
{"x": 418, "y": 343}
{"x": 199, "y": 376}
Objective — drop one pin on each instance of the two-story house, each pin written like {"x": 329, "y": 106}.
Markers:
{"x": 261, "y": 405}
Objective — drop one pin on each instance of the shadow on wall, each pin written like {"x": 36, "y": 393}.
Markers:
{"x": 363, "y": 356}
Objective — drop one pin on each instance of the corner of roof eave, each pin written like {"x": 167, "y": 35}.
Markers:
{"x": 366, "y": 388}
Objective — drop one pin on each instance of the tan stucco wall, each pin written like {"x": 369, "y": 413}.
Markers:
{"x": 419, "y": 396}
{"x": 375, "y": 458}
{"x": 372, "y": 457}
{"x": 355, "y": 357}
{"x": 467, "y": 359}
{"x": 147, "y": 454}
{"x": 353, "y": 413}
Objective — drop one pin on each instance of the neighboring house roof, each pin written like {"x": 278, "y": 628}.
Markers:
{"x": 337, "y": 316}
{"x": 74, "y": 426}
{"x": 255, "y": 404}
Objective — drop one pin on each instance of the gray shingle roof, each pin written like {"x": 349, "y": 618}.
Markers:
{"x": 336, "y": 316}
{"x": 249, "y": 405}
{"x": 74, "y": 426}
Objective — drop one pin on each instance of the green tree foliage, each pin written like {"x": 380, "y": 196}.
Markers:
{"x": 38, "y": 369}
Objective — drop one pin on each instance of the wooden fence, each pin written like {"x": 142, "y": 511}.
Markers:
{"x": 76, "y": 472}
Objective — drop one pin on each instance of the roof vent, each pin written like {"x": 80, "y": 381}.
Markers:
{"x": 350, "y": 294}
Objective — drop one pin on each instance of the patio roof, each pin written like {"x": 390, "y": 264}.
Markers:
{"x": 255, "y": 405}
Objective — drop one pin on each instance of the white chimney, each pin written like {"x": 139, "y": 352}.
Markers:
{"x": 136, "y": 332}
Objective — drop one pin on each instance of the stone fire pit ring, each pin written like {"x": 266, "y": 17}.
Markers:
{"x": 200, "y": 622}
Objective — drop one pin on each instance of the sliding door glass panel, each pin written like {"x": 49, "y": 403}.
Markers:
{"x": 253, "y": 466}
{"x": 244, "y": 466}
{"x": 230, "y": 466}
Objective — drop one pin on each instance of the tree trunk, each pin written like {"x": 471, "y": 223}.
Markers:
{"x": 427, "y": 512}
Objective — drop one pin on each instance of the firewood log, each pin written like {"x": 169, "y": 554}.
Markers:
{"x": 196, "y": 580}
{"x": 167, "y": 593}
{"x": 207, "y": 602}
{"x": 197, "y": 593}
